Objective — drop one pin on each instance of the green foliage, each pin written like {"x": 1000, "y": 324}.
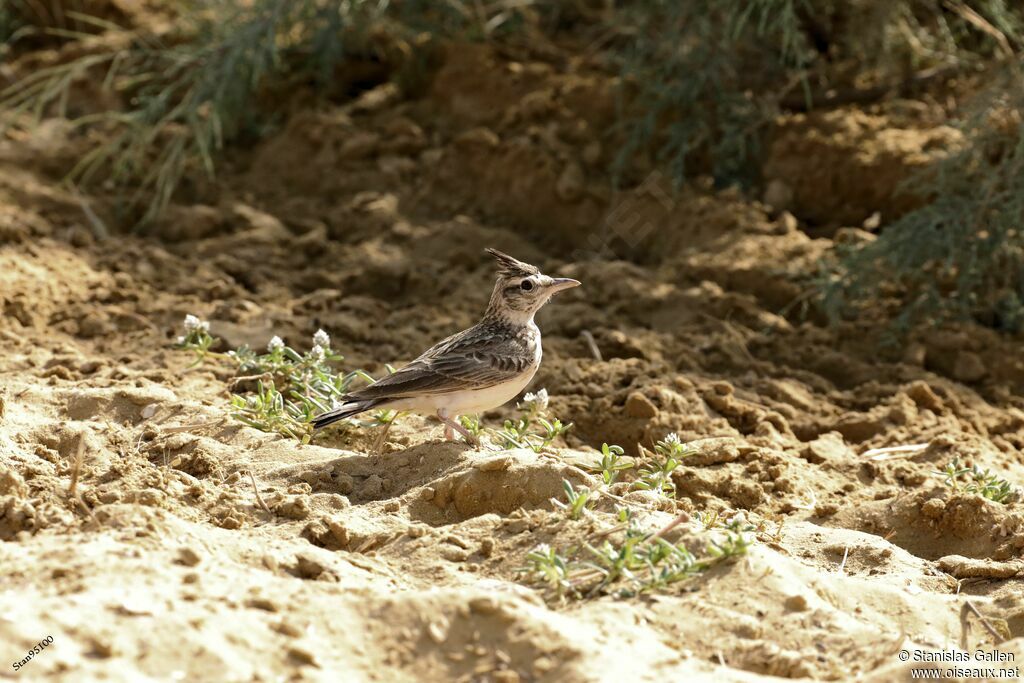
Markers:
{"x": 637, "y": 562}
{"x": 545, "y": 565}
{"x": 658, "y": 477}
{"x": 961, "y": 255}
{"x": 577, "y": 500}
{"x": 703, "y": 81}
{"x": 189, "y": 93}
{"x": 976, "y": 480}
{"x": 689, "y": 68}
{"x": 532, "y": 429}
{"x": 704, "y": 78}
{"x": 472, "y": 424}
{"x": 291, "y": 388}
{"x": 609, "y": 465}
{"x": 10, "y": 23}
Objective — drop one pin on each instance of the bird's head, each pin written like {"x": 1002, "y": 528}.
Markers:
{"x": 522, "y": 289}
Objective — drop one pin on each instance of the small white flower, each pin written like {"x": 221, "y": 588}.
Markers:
{"x": 538, "y": 400}
{"x": 322, "y": 339}
{"x": 275, "y": 344}
{"x": 181, "y": 340}
{"x": 672, "y": 439}
{"x": 739, "y": 519}
{"x": 317, "y": 353}
{"x": 543, "y": 549}
{"x": 194, "y": 324}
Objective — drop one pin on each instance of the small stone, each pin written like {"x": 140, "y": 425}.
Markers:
{"x": 827, "y": 448}
{"x": 498, "y": 464}
{"x": 960, "y": 567}
{"x": 359, "y": 145}
{"x": 307, "y": 566}
{"x": 933, "y": 508}
{"x": 394, "y": 165}
{"x": 12, "y": 484}
{"x": 453, "y": 554}
{"x": 101, "y": 647}
{"x": 438, "y": 630}
{"x": 92, "y": 325}
{"x": 188, "y": 557}
{"x": 786, "y": 224}
{"x": 373, "y": 487}
{"x": 376, "y": 99}
{"x": 920, "y": 392}
{"x": 823, "y": 509}
{"x": 542, "y": 665}
{"x": 516, "y": 526}
{"x": 484, "y": 605}
{"x": 714, "y": 451}
{"x": 969, "y": 367}
{"x": 296, "y": 507}
{"x": 482, "y": 137}
{"x": 796, "y": 603}
{"x": 188, "y": 222}
{"x": 456, "y": 540}
{"x": 302, "y": 655}
{"x": 338, "y": 501}
{"x": 852, "y": 236}
{"x": 722, "y": 388}
{"x": 288, "y": 628}
{"x": 263, "y": 603}
{"x": 639, "y": 406}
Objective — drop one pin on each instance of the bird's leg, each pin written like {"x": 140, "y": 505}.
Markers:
{"x": 451, "y": 424}
{"x": 449, "y": 433}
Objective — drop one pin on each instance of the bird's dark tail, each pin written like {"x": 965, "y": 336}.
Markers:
{"x": 347, "y": 410}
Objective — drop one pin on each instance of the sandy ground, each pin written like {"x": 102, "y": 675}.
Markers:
{"x": 368, "y": 219}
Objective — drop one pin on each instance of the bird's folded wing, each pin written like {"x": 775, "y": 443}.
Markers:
{"x": 453, "y": 365}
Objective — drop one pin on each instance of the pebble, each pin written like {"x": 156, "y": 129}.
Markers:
{"x": 969, "y": 367}
{"x": 188, "y": 557}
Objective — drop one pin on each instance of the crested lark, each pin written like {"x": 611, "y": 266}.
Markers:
{"x": 475, "y": 370}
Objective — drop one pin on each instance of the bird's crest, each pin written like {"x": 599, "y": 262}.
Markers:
{"x": 511, "y": 267}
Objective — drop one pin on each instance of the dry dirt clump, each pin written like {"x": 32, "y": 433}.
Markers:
{"x": 153, "y": 537}
{"x": 839, "y": 168}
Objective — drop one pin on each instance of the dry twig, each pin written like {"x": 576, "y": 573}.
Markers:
{"x": 259, "y": 498}
{"x": 985, "y": 622}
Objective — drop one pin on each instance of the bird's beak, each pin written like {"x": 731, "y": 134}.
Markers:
{"x": 560, "y": 283}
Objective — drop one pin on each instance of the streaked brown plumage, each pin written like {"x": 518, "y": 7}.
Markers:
{"x": 477, "y": 369}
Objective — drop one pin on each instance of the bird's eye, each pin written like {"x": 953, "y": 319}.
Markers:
{"x": 526, "y": 285}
